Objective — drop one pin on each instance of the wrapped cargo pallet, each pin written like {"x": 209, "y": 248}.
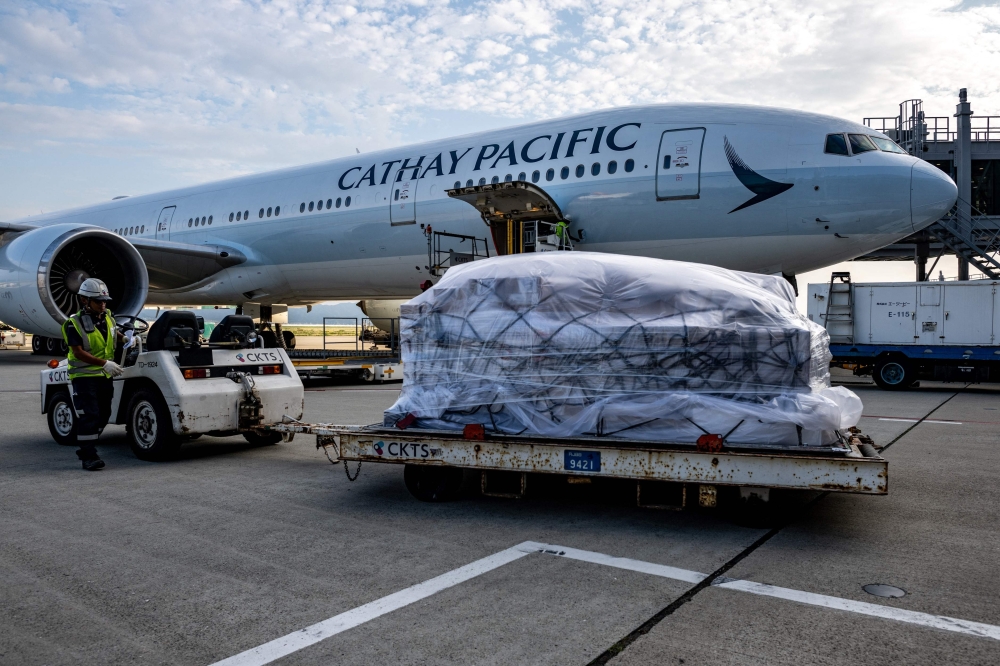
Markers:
{"x": 575, "y": 343}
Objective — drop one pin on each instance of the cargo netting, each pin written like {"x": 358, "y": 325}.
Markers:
{"x": 564, "y": 344}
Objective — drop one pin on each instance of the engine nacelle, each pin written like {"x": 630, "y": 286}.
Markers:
{"x": 41, "y": 270}
{"x": 384, "y": 314}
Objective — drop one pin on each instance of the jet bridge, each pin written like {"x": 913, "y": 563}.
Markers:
{"x": 522, "y": 217}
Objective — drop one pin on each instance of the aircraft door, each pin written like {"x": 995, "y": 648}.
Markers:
{"x": 163, "y": 223}
{"x": 403, "y": 200}
{"x": 678, "y": 164}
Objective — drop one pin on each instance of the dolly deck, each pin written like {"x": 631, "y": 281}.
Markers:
{"x": 854, "y": 467}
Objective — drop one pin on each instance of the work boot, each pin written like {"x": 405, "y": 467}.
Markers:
{"x": 93, "y": 464}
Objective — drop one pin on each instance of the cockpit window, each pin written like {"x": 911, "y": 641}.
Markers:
{"x": 836, "y": 144}
{"x": 887, "y": 145}
{"x": 860, "y": 143}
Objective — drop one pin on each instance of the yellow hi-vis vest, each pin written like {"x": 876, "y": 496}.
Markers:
{"x": 93, "y": 343}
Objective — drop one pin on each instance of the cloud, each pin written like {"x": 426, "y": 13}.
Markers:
{"x": 207, "y": 90}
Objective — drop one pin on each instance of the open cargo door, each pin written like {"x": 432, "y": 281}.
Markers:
{"x": 522, "y": 217}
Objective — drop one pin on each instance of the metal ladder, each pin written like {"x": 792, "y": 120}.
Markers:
{"x": 839, "y": 318}
{"x": 974, "y": 238}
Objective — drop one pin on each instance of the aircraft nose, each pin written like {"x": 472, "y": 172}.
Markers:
{"x": 932, "y": 194}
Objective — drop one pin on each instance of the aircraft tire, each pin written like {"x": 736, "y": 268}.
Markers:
{"x": 37, "y": 344}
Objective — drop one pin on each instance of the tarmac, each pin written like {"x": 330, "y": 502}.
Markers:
{"x": 229, "y": 552}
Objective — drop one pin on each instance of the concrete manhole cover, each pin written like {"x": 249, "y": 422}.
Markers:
{"x": 881, "y": 590}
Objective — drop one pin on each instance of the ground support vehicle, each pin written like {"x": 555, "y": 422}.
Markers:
{"x": 666, "y": 474}
{"x": 10, "y": 337}
{"x": 902, "y": 332}
{"x": 168, "y": 395}
{"x": 374, "y": 366}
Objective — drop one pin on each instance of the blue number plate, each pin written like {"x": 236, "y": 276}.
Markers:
{"x": 582, "y": 461}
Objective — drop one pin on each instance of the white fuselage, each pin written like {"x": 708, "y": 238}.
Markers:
{"x": 673, "y": 194}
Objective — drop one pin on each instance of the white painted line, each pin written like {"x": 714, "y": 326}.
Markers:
{"x": 863, "y": 608}
{"x": 924, "y": 421}
{"x": 281, "y": 647}
{"x": 661, "y": 570}
{"x": 295, "y": 641}
{"x": 822, "y": 600}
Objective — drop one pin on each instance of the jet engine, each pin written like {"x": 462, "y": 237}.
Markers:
{"x": 41, "y": 270}
{"x": 384, "y": 314}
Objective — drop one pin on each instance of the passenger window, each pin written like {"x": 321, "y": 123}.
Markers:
{"x": 508, "y": 178}
{"x": 482, "y": 181}
{"x": 468, "y": 183}
{"x": 860, "y": 143}
{"x": 535, "y": 176}
{"x": 595, "y": 169}
{"x": 142, "y": 229}
{"x": 202, "y": 220}
{"x": 246, "y": 215}
{"x": 310, "y": 206}
{"x": 495, "y": 180}
{"x": 269, "y": 211}
{"x": 458, "y": 184}
{"x": 232, "y": 216}
{"x": 190, "y": 221}
{"x": 836, "y": 144}
{"x": 564, "y": 173}
{"x": 550, "y": 174}
{"x": 347, "y": 202}
{"x": 261, "y": 213}
{"x": 612, "y": 166}
{"x": 277, "y": 210}
{"x": 210, "y": 219}
{"x": 329, "y": 204}
{"x": 238, "y": 215}
{"x": 887, "y": 145}
{"x": 302, "y": 207}
{"x": 522, "y": 176}
{"x": 338, "y": 202}
{"x": 580, "y": 170}
{"x": 629, "y": 165}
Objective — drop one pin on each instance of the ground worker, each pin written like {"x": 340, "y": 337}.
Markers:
{"x": 562, "y": 233}
{"x": 90, "y": 335}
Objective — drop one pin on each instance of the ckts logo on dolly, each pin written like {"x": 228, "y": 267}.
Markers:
{"x": 257, "y": 357}
{"x": 402, "y": 449}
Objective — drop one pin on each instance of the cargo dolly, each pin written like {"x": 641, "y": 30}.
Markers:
{"x": 684, "y": 473}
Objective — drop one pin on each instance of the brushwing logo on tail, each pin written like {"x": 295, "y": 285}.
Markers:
{"x": 763, "y": 188}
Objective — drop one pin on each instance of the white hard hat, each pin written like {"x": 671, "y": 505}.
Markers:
{"x": 94, "y": 289}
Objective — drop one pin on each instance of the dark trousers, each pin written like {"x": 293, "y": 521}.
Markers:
{"x": 92, "y": 401}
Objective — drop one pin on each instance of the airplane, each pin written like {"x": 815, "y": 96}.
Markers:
{"x": 749, "y": 188}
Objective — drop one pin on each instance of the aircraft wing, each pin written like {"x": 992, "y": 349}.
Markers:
{"x": 172, "y": 265}
{"x": 11, "y": 227}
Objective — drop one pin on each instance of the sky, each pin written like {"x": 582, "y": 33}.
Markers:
{"x": 105, "y": 98}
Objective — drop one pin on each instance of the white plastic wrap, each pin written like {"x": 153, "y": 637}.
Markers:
{"x": 564, "y": 344}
